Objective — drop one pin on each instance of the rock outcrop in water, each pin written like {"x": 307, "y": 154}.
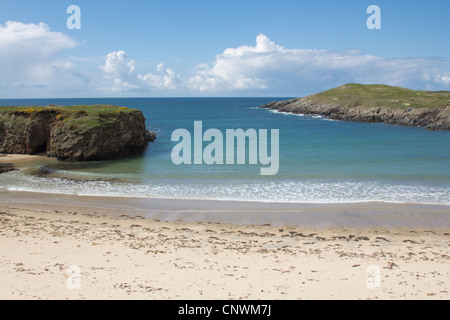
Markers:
{"x": 76, "y": 133}
{"x": 6, "y": 167}
{"x": 375, "y": 103}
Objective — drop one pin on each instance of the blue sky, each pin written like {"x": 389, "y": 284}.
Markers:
{"x": 219, "y": 48}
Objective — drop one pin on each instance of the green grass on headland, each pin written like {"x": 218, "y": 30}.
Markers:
{"x": 80, "y": 118}
{"x": 89, "y": 110}
{"x": 359, "y": 95}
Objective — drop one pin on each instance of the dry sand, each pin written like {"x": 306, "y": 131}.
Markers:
{"x": 17, "y": 158}
{"x": 137, "y": 258}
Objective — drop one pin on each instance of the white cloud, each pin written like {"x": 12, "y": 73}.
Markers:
{"x": 31, "y": 57}
{"x": 121, "y": 71}
{"x": 446, "y": 79}
{"x": 268, "y": 67}
{"x": 166, "y": 79}
{"x": 119, "y": 68}
{"x": 32, "y": 63}
{"x": 118, "y": 65}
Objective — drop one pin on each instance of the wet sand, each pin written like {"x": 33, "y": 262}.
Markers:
{"x": 123, "y": 254}
{"x": 10, "y": 162}
{"x": 358, "y": 215}
{"x": 18, "y": 158}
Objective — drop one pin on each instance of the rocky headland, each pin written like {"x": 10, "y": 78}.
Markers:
{"x": 375, "y": 103}
{"x": 74, "y": 133}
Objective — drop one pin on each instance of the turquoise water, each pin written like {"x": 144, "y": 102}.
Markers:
{"x": 321, "y": 161}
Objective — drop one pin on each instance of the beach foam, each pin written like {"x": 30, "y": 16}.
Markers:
{"x": 312, "y": 191}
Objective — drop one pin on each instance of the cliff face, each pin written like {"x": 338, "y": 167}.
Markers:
{"x": 399, "y": 109}
{"x": 74, "y": 133}
{"x": 431, "y": 118}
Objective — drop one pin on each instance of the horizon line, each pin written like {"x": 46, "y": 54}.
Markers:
{"x": 218, "y": 97}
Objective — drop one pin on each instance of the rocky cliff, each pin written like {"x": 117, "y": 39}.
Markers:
{"x": 375, "y": 103}
{"x": 75, "y": 133}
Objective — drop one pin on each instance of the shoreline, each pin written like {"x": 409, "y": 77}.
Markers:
{"x": 19, "y": 158}
{"x": 364, "y": 103}
{"x": 239, "y": 212}
{"x": 360, "y": 214}
{"x": 296, "y": 108}
{"x": 12, "y": 162}
{"x": 125, "y": 257}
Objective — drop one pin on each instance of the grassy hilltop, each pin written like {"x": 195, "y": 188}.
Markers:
{"x": 80, "y": 118}
{"x": 380, "y": 95}
{"x": 375, "y": 103}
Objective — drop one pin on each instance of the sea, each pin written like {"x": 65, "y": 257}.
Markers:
{"x": 320, "y": 160}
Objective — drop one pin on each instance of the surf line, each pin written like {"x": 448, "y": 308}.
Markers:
{"x": 192, "y": 151}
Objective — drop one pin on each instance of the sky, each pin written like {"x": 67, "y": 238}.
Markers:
{"x": 206, "y": 48}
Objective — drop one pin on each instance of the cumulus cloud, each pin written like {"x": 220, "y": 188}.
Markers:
{"x": 268, "y": 67}
{"x": 31, "y": 57}
{"x": 166, "y": 79}
{"x": 32, "y": 63}
{"x": 118, "y": 65}
{"x": 446, "y": 79}
{"x": 122, "y": 71}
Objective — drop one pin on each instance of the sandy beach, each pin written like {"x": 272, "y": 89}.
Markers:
{"x": 10, "y": 162}
{"x": 78, "y": 247}
{"x": 19, "y": 158}
{"x": 207, "y": 152}
{"x": 137, "y": 258}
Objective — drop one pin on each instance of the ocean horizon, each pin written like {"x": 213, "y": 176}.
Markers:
{"x": 320, "y": 160}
